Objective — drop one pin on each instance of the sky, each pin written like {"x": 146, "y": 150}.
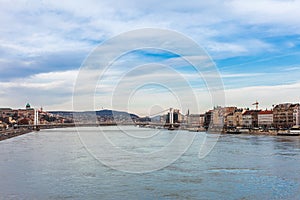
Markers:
{"x": 255, "y": 46}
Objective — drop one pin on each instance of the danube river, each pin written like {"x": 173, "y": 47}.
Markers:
{"x": 54, "y": 164}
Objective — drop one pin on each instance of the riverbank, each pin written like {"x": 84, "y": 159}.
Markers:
{"x": 20, "y": 130}
{"x": 273, "y": 133}
{"x": 244, "y": 132}
{"x": 10, "y": 133}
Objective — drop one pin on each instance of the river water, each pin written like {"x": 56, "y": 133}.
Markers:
{"x": 54, "y": 164}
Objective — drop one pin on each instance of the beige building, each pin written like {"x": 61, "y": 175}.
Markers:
{"x": 235, "y": 118}
{"x": 229, "y": 119}
{"x": 195, "y": 120}
{"x": 238, "y": 117}
{"x": 219, "y": 115}
{"x": 285, "y": 115}
{"x": 250, "y": 118}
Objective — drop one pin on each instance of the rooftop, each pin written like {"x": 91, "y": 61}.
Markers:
{"x": 265, "y": 112}
{"x": 251, "y": 112}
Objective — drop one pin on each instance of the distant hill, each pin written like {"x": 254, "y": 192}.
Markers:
{"x": 156, "y": 118}
{"x": 115, "y": 113}
{"x": 100, "y": 113}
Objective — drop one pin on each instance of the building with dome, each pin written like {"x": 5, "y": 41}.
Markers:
{"x": 28, "y": 106}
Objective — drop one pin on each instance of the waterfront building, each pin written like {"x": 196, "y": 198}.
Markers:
{"x": 2, "y": 125}
{"x": 7, "y": 115}
{"x": 202, "y": 120}
{"x": 219, "y": 115}
{"x": 181, "y": 117}
{"x": 247, "y": 119}
{"x": 235, "y": 118}
{"x": 5, "y": 110}
{"x": 195, "y": 120}
{"x": 250, "y": 118}
{"x": 228, "y": 111}
{"x": 284, "y": 114}
{"x": 207, "y": 119}
{"x": 229, "y": 120}
{"x": 238, "y": 117}
{"x": 296, "y": 116}
{"x": 265, "y": 118}
{"x": 26, "y": 116}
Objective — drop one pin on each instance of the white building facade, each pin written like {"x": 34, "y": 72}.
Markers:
{"x": 296, "y": 116}
{"x": 265, "y": 118}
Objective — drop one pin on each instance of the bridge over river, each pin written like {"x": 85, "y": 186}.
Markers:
{"x": 64, "y": 125}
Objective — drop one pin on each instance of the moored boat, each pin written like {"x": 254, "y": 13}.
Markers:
{"x": 294, "y": 131}
{"x": 233, "y": 131}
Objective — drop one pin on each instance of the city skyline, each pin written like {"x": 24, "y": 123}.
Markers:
{"x": 255, "y": 46}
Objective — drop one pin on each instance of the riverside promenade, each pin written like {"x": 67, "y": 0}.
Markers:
{"x": 10, "y": 133}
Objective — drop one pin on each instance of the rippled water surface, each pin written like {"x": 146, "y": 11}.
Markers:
{"x": 54, "y": 164}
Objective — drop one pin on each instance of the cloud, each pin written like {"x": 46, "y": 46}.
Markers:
{"x": 164, "y": 87}
{"x": 34, "y": 28}
{"x": 290, "y": 68}
{"x": 40, "y": 89}
{"x": 273, "y": 12}
{"x": 266, "y": 95}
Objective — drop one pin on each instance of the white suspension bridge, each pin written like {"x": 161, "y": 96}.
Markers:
{"x": 169, "y": 122}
